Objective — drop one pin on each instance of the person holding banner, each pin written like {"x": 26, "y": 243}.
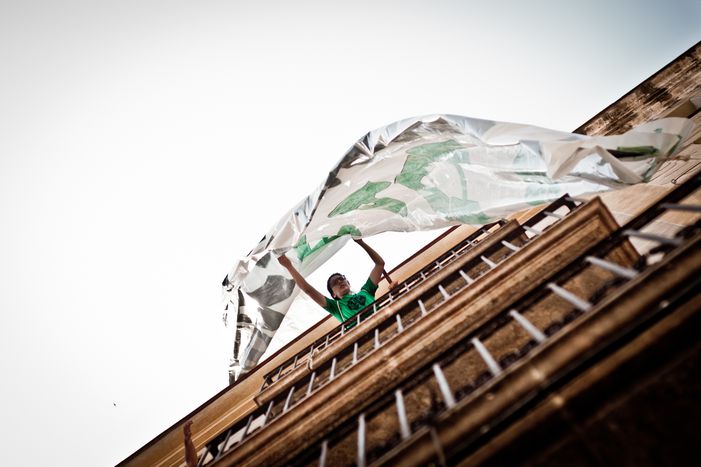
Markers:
{"x": 344, "y": 303}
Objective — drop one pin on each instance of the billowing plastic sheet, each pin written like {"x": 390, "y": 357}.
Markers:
{"x": 428, "y": 173}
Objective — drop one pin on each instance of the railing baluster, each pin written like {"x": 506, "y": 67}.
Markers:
{"x": 294, "y": 362}
{"x": 200, "y": 456}
{"x": 266, "y": 382}
{"x": 574, "y": 199}
{"x": 400, "y": 327}
{"x": 528, "y": 326}
{"x": 230, "y": 441}
{"x": 488, "y": 262}
{"x": 221, "y": 448}
{"x": 568, "y": 296}
{"x": 443, "y": 292}
{"x": 377, "y": 338}
{"x": 326, "y": 343}
{"x": 510, "y": 246}
{"x": 311, "y": 383}
{"x": 357, "y": 321}
{"x": 323, "y": 454}
{"x": 289, "y": 398}
{"x": 553, "y": 214}
{"x": 612, "y": 267}
{"x": 492, "y": 364}
{"x": 447, "y": 394}
{"x": 248, "y": 425}
{"x": 361, "y": 441}
{"x": 422, "y": 308}
{"x": 333, "y": 369}
{"x": 204, "y": 456}
{"x": 404, "y": 429}
{"x": 355, "y": 353}
{"x": 468, "y": 280}
{"x": 311, "y": 352}
{"x": 267, "y": 412}
{"x": 653, "y": 237}
{"x": 535, "y": 232}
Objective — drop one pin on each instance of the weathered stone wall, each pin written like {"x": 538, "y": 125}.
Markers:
{"x": 662, "y": 91}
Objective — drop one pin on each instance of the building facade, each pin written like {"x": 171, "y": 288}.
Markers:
{"x": 567, "y": 333}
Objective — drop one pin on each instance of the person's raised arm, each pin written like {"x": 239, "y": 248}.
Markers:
{"x": 378, "y": 269}
{"x": 302, "y": 283}
{"x": 190, "y": 454}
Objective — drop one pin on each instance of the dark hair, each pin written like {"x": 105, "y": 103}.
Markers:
{"x": 328, "y": 282}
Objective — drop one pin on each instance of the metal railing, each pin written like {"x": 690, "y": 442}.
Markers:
{"x": 303, "y": 357}
{"x": 534, "y": 226}
{"x": 383, "y": 331}
{"x": 484, "y": 355}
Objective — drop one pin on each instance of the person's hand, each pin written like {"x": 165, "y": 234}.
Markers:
{"x": 284, "y": 261}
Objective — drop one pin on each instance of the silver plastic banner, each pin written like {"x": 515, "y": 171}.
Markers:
{"x": 427, "y": 173}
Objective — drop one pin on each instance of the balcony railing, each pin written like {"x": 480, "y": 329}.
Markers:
{"x": 470, "y": 369}
{"x": 451, "y": 273}
{"x": 303, "y": 357}
{"x": 532, "y": 227}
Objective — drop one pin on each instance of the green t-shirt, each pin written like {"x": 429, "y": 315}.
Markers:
{"x": 352, "y": 303}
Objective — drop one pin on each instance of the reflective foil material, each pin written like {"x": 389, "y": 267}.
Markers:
{"x": 427, "y": 173}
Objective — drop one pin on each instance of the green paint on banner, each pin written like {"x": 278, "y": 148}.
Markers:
{"x": 303, "y": 249}
{"x": 674, "y": 148}
{"x": 648, "y": 150}
{"x": 366, "y": 198}
{"x": 536, "y": 178}
{"x": 417, "y": 166}
{"x": 539, "y": 189}
{"x": 539, "y": 193}
{"x": 523, "y": 159}
{"x": 420, "y": 158}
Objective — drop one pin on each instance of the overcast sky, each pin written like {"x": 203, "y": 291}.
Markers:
{"x": 144, "y": 146}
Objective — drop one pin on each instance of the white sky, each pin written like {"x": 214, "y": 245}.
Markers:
{"x": 146, "y": 145}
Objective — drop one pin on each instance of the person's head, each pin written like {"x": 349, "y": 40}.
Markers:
{"x": 337, "y": 285}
